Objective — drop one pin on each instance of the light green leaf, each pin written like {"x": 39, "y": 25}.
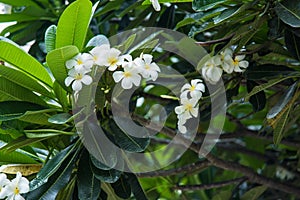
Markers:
{"x": 9, "y": 91}
{"x": 61, "y": 95}
{"x": 50, "y": 38}
{"x": 17, "y": 17}
{"x": 24, "y": 80}
{"x": 279, "y": 130}
{"x": 60, "y": 118}
{"x": 17, "y": 57}
{"x": 56, "y": 61}
{"x": 254, "y": 193}
{"x": 20, "y": 3}
{"x": 73, "y": 24}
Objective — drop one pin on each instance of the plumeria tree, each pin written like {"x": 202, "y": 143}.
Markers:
{"x": 154, "y": 99}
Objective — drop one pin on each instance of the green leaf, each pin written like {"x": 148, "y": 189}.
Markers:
{"x": 9, "y": 91}
{"x": 15, "y": 109}
{"x": 61, "y": 118}
{"x": 264, "y": 86}
{"x": 56, "y": 61}
{"x": 254, "y": 193}
{"x": 50, "y": 168}
{"x": 99, "y": 164}
{"x": 108, "y": 176}
{"x": 68, "y": 191}
{"x": 258, "y": 100}
{"x": 267, "y": 71}
{"x": 17, "y": 57}
{"x": 204, "y": 5}
{"x": 56, "y": 182}
{"x": 73, "y": 24}
{"x": 136, "y": 188}
{"x": 19, "y": 143}
{"x": 227, "y": 14}
{"x": 282, "y": 102}
{"x": 279, "y": 130}
{"x": 61, "y": 95}
{"x": 24, "y": 80}
{"x": 15, "y": 157}
{"x": 20, "y": 3}
{"x": 50, "y": 38}
{"x": 17, "y": 17}
{"x": 89, "y": 187}
{"x": 223, "y": 195}
{"x": 98, "y": 40}
{"x": 292, "y": 42}
{"x": 289, "y": 12}
{"x": 122, "y": 188}
{"x": 125, "y": 140}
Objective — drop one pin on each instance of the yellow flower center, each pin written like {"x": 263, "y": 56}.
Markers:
{"x": 112, "y": 60}
{"x": 95, "y": 58}
{"x": 188, "y": 107}
{"x": 127, "y": 74}
{"x": 192, "y": 88}
{"x": 78, "y": 76}
{"x": 79, "y": 62}
{"x": 235, "y": 62}
{"x": 147, "y": 67}
{"x": 16, "y": 190}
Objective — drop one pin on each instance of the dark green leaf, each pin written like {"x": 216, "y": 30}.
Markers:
{"x": 108, "y": 176}
{"x": 282, "y": 102}
{"x": 88, "y": 185}
{"x": 167, "y": 19}
{"x": 122, "y": 188}
{"x": 50, "y": 168}
{"x": 15, "y": 109}
{"x": 61, "y": 118}
{"x": 125, "y": 140}
{"x": 258, "y": 100}
{"x": 292, "y": 42}
{"x": 289, "y": 12}
{"x": 204, "y": 5}
{"x": 56, "y": 182}
{"x": 136, "y": 188}
{"x": 267, "y": 71}
{"x": 254, "y": 193}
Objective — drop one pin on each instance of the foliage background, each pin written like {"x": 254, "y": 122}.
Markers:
{"x": 258, "y": 153}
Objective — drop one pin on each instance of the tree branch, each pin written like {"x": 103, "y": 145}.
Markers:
{"x": 181, "y": 170}
{"x": 209, "y": 186}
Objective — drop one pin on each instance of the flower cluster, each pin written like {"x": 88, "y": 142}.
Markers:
{"x": 225, "y": 61}
{"x": 12, "y": 190}
{"x": 111, "y": 58}
{"x": 189, "y": 97}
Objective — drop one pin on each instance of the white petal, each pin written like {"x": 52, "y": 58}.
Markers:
{"x": 196, "y": 94}
{"x": 184, "y": 94}
{"x": 240, "y": 57}
{"x": 19, "y": 197}
{"x": 237, "y": 69}
{"x": 194, "y": 112}
{"x": 214, "y": 74}
{"x": 147, "y": 58}
{"x": 126, "y": 83}
{"x": 139, "y": 62}
{"x": 114, "y": 52}
{"x": 68, "y": 81}
{"x": 179, "y": 110}
{"x": 182, "y": 128}
{"x": 112, "y": 67}
{"x": 153, "y": 75}
{"x": 244, "y": 64}
{"x": 87, "y": 80}
{"x": 117, "y": 76}
{"x": 136, "y": 79}
{"x": 195, "y": 81}
{"x": 77, "y": 85}
{"x": 186, "y": 86}
{"x": 227, "y": 67}
{"x": 200, "y": 87}
{"x": 155, "y": 67}
{"x": 71, "y": 63}
{"x": 155, "y": 5}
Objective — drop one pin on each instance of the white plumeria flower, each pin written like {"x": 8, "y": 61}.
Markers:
{"x": 77, "y": 78}
{"x": 181, "y": 126}
{"x": 187, "y": 109}
{"x": 211, "y": 70}
{"x": 238, "y": 63}
{"x": 80, "y": 62}
{"x": 194, "y": 89}
{"x": 105, "y": 56}
{"x": 128, "y": 62}
{"x": 147, "y": 68}
{"x": 129, "y": 77}
{"x": 155, "y": 5}
{"x": 16, "y": 187}
{"x": 98, "y": 52}
{"x": 3, "y": 182}
{"x": 226, "y": 59}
